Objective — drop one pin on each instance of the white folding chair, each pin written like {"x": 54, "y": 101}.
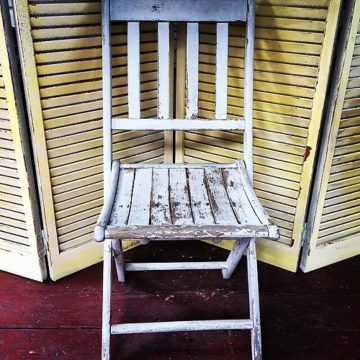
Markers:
{"x": 180, "y": 201}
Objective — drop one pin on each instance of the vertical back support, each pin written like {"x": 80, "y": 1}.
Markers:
{"x": 222, "y": 36}
{"x": 248, "y": 88}
{"x": 107, "y": 89}
{"x": 134, "y": 69}
{"x": 164, "y": 70}
{"x": 192, "y": 70}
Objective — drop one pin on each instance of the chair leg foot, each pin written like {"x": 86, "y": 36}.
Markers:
{"x": 234, "y": 257}
{"x": 254, "y": 301}
{"x": 106, "y": 309}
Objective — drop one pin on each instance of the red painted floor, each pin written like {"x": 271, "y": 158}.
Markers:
{"x": 304, "y": 316}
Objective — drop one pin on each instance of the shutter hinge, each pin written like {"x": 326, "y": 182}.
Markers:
{"x": 304, "y": 234}
{"x": 45, "y": 244}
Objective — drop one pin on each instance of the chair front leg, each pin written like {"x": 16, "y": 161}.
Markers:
{"x": 106, "y": 309}
{"x": 254, "y": 301}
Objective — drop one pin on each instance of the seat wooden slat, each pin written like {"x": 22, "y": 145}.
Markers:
{"x": 239, "y": 201}
{"x": 192, "y": 70}
{"x": 179, "y": 198}
{"x": 134, "y": 69}
{"x": 140, "y": 202}
{"x": 191, "y": 196}
{"x": 121, "y": 207}
{"x": 164, "y": 71}
{"x": 200, "y": 202}
{"x": 254, "y": 201}
{"x": 219, "y": 201}
{"x": 160, "y": 208}
{"x": 222, "y": 36}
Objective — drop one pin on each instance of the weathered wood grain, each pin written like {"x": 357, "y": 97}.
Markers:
{"x": 200, "y": 203}
{"x": 178, "y": 10}
{"x": 160, "y": 207}
{"x": 141, "y": 196}
{"x": 179, "y": 197}
{"x": 178, "y": 124}
{"x": 192, "y": 70}
{"x": 219, "y": 201}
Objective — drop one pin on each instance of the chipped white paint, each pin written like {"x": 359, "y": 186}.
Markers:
{"x": 119, "y": 259}
{"x": 248, "y": 89}
{"x": 222, "y": 36}
{"x": 200, "y": 203}
{"x": 164, "y": 71}
{"x": 107, "y": 91}
{"x": 178, "y": 10}
{"x": 177, "y": 124}
{"x": 181, "y": 326}
{"x": 235, "y": 255}
{"x": 186, "y": 232}
{"x": 106, "y": 306}
{"x": 134, "y": 69}
{"x": 203, "y": 201}
{"x": 183, "y": 202}
{"x": 254, "y": 301}
{"x": 108, "y": 203}
{"x": 218, "y": 197}
{"x": 123, "y": 197}
{"x": 192, "y": 70}
{"x": 140, "y": 201}
{"x": 188, "y": 265}
{"x": 179, "y": 197}
{"x": 160, "y": 207}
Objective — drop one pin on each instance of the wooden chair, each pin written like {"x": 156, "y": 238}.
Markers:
{"x": 180, "y": 201}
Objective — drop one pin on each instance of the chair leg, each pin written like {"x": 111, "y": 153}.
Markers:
{"x": 234, "y": 257}
{"x": 254, "y": 301}
{"x": 106, "y": 310}
{"x": 119, "y": 259}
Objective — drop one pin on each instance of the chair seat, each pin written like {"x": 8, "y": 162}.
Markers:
{"x": 186, "y": 201}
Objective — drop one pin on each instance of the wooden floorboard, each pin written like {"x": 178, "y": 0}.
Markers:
{"x": 313, "y": 316}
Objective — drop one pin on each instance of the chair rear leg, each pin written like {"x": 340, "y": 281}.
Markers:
{"x": 234, "y": 257}
{"x": 254, "y": 301}
{"x": 119, "y": 259}
{"x": 106, "y": 309}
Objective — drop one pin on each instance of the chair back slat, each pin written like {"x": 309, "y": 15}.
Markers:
{"x": 222, "y": 35}
{"x": 192, "y": 70}
{"x": 134, "y": 70}
{"x": 178, "y": 10}
{"x": 164, "y": 70}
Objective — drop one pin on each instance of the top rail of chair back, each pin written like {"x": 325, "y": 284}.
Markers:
{"x": 179, "y": 10}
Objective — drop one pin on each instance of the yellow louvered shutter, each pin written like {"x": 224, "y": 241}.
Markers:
{"x": 334, "y": 222}
{"x": 60, "y": 48}
{"x": 293, "y": 48}
{"x": 21, "y": 248}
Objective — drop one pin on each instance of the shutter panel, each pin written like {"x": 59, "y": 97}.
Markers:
{"x": 61, "y": 53}
{"x": 293, "y": 47}
{"x": 334, "y": 224}
{"x": 21, "y": 249}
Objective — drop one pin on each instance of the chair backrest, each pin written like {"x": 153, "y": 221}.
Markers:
{"x": 192, "y": 12}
